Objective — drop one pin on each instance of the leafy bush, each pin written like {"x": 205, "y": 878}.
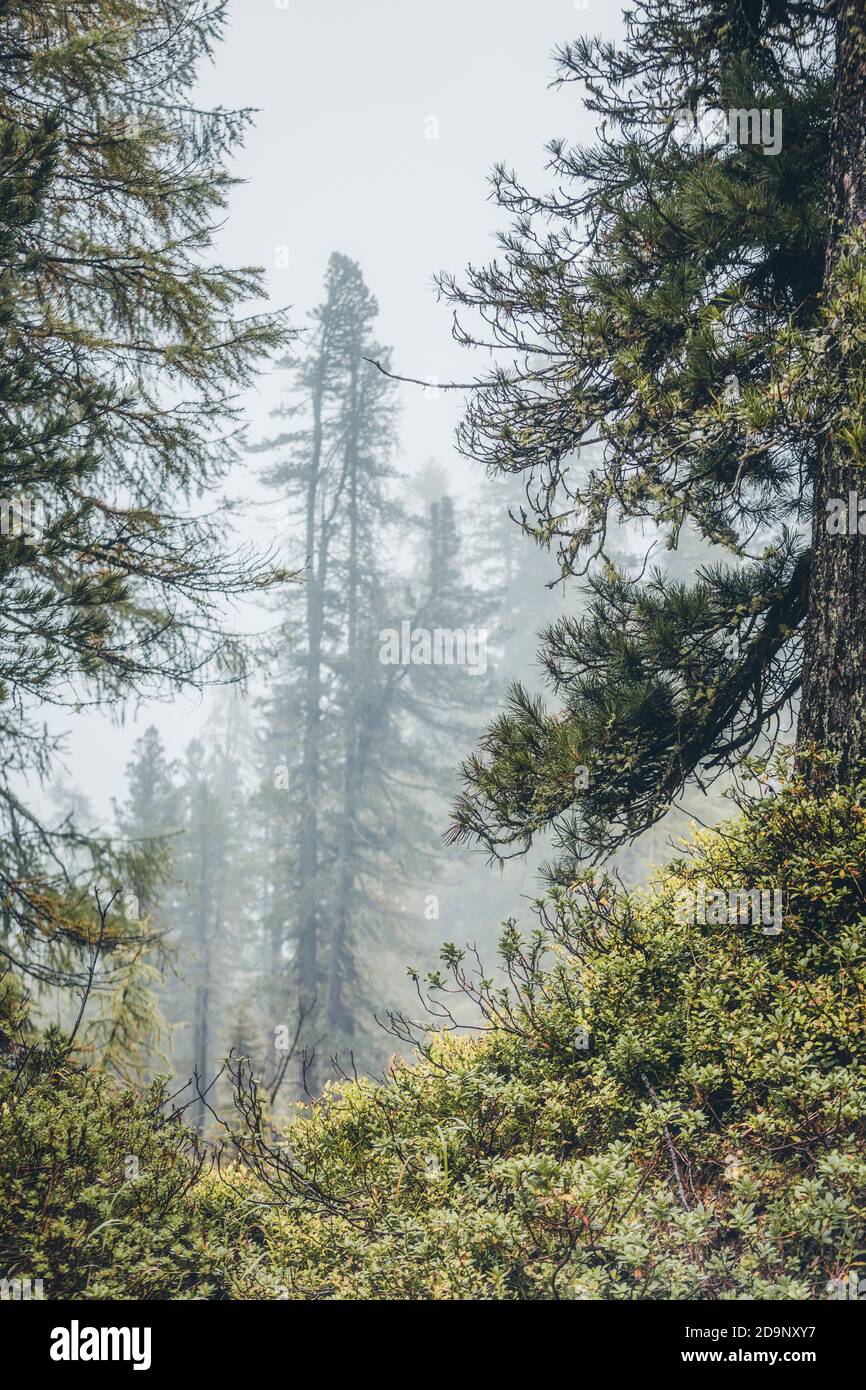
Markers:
{"x": 706, "y": 1141}
{"x": 99, "y": 1186}
{"x": 658, "y": 1108}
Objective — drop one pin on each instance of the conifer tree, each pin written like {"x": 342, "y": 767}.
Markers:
{"x": 150, "y": 814}
{"x": 124, "y": 349}
{"x": 346, "y": 744}
{"x": 681, "y": 322}
{"x": 316, "y": 470}
{"x": 211, "y": 913}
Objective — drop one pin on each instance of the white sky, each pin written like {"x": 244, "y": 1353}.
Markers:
{"x": 340, "y": 158}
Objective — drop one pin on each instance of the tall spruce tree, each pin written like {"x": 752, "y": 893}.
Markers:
{"x": 150, "y": 814}
{"x": 682, "y": 321}
{"x": 346, "y": 746}
{"x": 211, "y": 911}
{"x": 317, "y": 472}
{"x": 123, "y": 352}
{"x": 148, "y": 821}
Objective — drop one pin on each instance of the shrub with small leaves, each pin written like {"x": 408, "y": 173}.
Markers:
{"x": 100, "y": 1186}
{"x": 660, "y": 1108}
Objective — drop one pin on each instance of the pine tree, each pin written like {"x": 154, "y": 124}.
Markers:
{"x": 150, "y": 815}
{"x": 833, "y": 706}
{"x": 315, "y": 466}
{"x": 210, "y": 915}
{"x": 131, "y": 1031}
{"x": 346, "y": 746}
{"x": 680, "y": 321}
{"x": 124, "y": 349}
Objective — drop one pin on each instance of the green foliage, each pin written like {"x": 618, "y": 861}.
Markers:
{"x": 99, "y": 1186}
{"x": 657, "y": 1108}
{"x": 671, "y": 356}
{"x": 646, "y": 674}
{"x": 124, "y": 345}
{"x": 708, "y": 1143}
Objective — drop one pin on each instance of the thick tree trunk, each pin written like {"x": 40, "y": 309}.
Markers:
{"x": 833, "y": 705}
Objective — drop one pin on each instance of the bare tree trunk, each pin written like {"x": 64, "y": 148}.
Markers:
{"x": 307, "y": 962}
{"x": 833, "y": 705}
{"x": 201, "y": 1017}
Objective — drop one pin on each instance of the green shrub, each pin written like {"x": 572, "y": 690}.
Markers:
{"x": 98, "y": 1187}
{"x": 657, "y": 1108}
{"x": 708, "y": 1143}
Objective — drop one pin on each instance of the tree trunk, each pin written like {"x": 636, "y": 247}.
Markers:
{"x": 201, "y": 1019}
{"x": 307, "y": 959}
{"x": 337, "y": 1018}
{"x": 833, "y": 704}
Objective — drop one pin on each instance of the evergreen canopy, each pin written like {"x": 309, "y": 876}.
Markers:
{"x": 678, "y": 340}
{"x": 123, "y": 349}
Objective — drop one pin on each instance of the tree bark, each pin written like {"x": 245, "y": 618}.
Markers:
{"x": 201, "y": 1018}
{"x": 338, "y": 1019}
{"x": 833, "y": 703}
{"x": 307, "y": 964}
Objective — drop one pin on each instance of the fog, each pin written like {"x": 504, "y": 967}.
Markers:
{"x": 372, "y": 124}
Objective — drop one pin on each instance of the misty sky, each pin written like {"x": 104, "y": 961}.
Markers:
{"x": 348, "y": 94}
